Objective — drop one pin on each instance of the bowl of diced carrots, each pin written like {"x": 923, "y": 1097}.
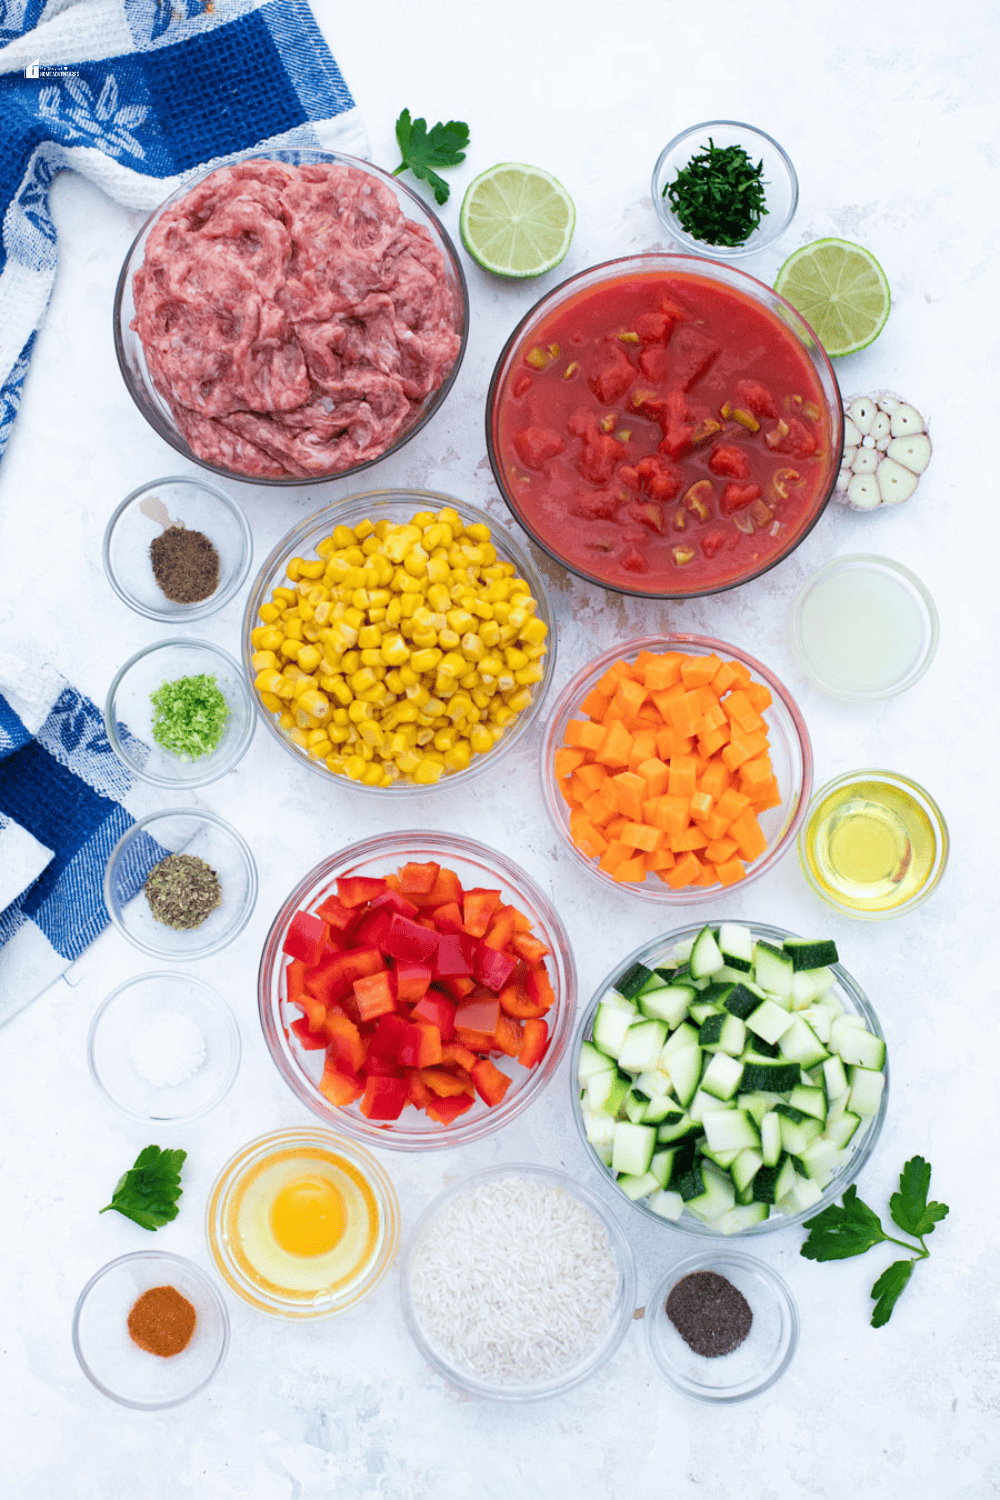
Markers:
{"x": 417, "y": 990}
{"x": 676, "y": 767}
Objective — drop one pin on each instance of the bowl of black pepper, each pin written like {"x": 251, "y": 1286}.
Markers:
{"x": 721, "y": 1326}
{"x": 180, "y": 883}
{"x": 177, "y": 549}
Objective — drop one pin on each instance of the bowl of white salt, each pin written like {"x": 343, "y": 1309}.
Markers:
{"x": 164, "y": 1046}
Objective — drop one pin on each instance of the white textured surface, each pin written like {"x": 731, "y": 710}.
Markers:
{"x": 890, "y": 115}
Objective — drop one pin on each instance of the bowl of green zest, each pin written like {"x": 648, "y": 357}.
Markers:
{"x": 724, "y": 189}
{"x": 178, "y": 713}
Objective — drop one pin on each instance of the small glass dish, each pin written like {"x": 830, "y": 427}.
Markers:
{"x": 115, "y": 1364}
{"x": 398, "y": 507}
{"x": 781, "y": 185}
{"x": 752, "y": 1367}
{"x": 873, "y": 844}
{"x": 863, "y": 628}
{"x": 302, "y": 1223}
{"x": 849, "y": 996}
{"x": 143, "y": 516}
{"x": 186, "y": 830}
{"x": 477, "y": 867}
{"x": 577, "y": 1220}
{"x": 789, "y": 747}
{"x": 164, "y": 1046}
{"x": 129, "y": 713}
{"x": 258, "y": 447}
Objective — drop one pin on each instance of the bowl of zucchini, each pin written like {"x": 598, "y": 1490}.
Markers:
{"x": 730, "y": 1078}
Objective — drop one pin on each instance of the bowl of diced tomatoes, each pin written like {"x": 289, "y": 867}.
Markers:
{"x": 416, "y": 990}
{"x": 676, "y": 767}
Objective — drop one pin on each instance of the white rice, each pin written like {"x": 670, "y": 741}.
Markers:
{"x": 515, "y": 1280}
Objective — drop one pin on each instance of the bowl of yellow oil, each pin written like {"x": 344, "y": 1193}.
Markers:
{"x": 873, "y": 844}
{"x": 303, "y": 1223}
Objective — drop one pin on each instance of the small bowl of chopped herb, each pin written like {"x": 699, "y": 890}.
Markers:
{"x": 179, "y": 713}
{"x": 177, "y": 549}
{"x": 724, "y": 189}
{"x": 181, "y": 883}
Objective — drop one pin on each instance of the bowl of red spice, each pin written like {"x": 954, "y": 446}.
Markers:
{"x": 416, "y": 990}
{"x": 177, "y": 549}
{"x": 150, "y": 1330}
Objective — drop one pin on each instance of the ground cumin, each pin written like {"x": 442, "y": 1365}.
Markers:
{"x": 162, "y": 1321}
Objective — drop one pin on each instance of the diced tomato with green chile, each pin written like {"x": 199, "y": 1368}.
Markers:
{"x": 412, "y": 986}
{"x": 677, "y": 369}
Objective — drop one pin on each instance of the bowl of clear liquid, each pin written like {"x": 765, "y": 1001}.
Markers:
{"x": 864, "y": 628}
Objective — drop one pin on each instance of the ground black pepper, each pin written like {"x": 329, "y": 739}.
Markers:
{"x": 182, "y": 891}
{"x": 185, "y": 564}
{"x": 711, "y": 1315}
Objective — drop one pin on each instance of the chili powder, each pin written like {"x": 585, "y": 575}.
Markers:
{"x": 162, "y": 1321}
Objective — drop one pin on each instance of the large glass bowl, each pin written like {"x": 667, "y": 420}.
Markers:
{"x": 854, "y": 1001}
{"x": 789, "y": 746}
{"x": 153, "y": 405}
{"x": 476, "y": 866}
{"x": 460, "y": 1202}
{"x": 397, "y": 507}
{"x": 614, "y": 545}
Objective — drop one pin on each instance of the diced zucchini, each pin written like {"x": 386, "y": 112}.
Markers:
{"x": 633, "y": 1148}
{"x": 685, "y": 1073}
{"x": 641, "y": 1045}
{"x": 667, "y": 1203}
{"x": 723, "y": 1075}
{"x": 769, "y": 1021}
{"x": 610, "y": 1025}
{"x": 866, "y": 1092}
{"x": 769, "y": 1074}
{"x": 685, "y": 1035}
{"x": 662, "y": 1165}
{"x": 669, "y": 1002}
{"x": 855, "y": 1044}
{"x": 606, "y": 1093}
{"x": 757, "y": 1102}
{"x": 637, "y": 1187}
{"x": 745, "y": 1168}
{"x": 600, "y": 1132}
{"x": 676, "y": 1127}
{"x": 799, "y": 1043}
{"x": 772, "y": 968}
{"x": 704, "y": 1103}
{"x": 811, "y": 1101}
{"x": 770, "y": 1139}
{"x": 706, "y": 959}
{"x": 743, "y": 999}
{"x": 821, "y": 1160}
{"x": 717, "y": 1197}
{"x": 730, "y": 1130}
{"x": 633, "y": 980}
{"x": 772, "y": 1183}
{"x": 811, "y": 953}
{"x": 798, "y": 1131}
{"x": 736, "y": 945}
{"x": 592, "y": 1060}
{"x": 841, "y": 1131}
{"x": 636, "y": 1105}
{"x": 741, "y": 1217}
{"x": 834, "y": 1078}
{"x": 722, "y": 1033}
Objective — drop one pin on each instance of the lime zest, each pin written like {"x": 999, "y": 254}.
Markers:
{"x": 841, "y": 291}
{"x": 517, "y": 220}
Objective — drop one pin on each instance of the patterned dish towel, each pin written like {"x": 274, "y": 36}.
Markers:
{"x": 65, "y": 801}
{"x": 135, "y": 95}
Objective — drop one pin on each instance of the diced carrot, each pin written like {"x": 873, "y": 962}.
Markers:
{"x": 592, "y": 775}
{"x": 747, "y": 832}
{"x": 584, "y": 734}
{"x": 730, "y": 871}
{"x": 759, "y": 695}
{"x": 685, "y": 872}
{"x": 630, "y": 870}
{"x": 684, "y": 713}
{"x": 629, "y": 791}
{"x": 628, "y": 699}
{"x": 641, "y": 836}
{"x": 698, "y": 670}
{"x": 701, "y": 804}
{"x": 754, "y": 773}
{"x": 731, "y": 804}
{"x": 683, "y": 779}
{"x": 643, "y": 746}
{"x": 595, "y": 705}
{"x": 713, "y": 741}
{"x": 717, "y": 851}
{"x": 689, "y": 838}
{"x": 656, "y": 774}
{"x": 662, "y": 672}
{"x": 669, "y": 813}
{"x": 614, "y": 855}
{"x": 714, "y": 779}
{"x": 723, "y": 679}
{"x": 586, "y": 837}
{"x": 615, "y": 746}
{"x": 567, "y": 760}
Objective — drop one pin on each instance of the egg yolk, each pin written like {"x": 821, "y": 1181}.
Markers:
{"x": 307, "y": 1216}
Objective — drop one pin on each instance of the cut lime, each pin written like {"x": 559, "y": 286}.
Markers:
{"x": 841, "y": 291}
{"x": 517, "y": 220}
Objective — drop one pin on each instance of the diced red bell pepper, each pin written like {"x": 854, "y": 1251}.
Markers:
{"x": 337, "y": 1086}
{"x": 456, "y": 986}
{"x": 391, "y": 1031}
{"x": 479, "y": 1012}
{"x": 454, "y": 955}
{"x": 295, "y": 982}
{"x": 309, "y": 1039}
{"x": 345, "y": 1043}
{"x": 492, "y": 968}
{"x": 393, "y": 901}
{"x": 535, "y": 1041}
{"x": 355, "y": 890}
{"x": 539, "y": 986}
{"x": 371, "y": 996}
{"x": 384, "y": 1098}
{"x": 419, "y": 1093}
{"x": 327, "y": 982}
{"x": 373, "y": 928}
{"x": 337, "y": 914}
{"x": 501, "y": 930}
{"x": 517, "y": 1002}
{"x": 409, "y": 942}
{"x": 417, "y": 880}
{"x": 507, "y": 1035}
{"x": 306, "y": 937}
{"x": 457, "y": 1052}
{"x": 444, "y": 1081}
{"x": 412, "y": 981}
{"x": 478, "y": 906}
{"x": 359, "y": 962}
{"x": 421, "y": 1047}
{"x": 446, "y": 887}
{"x": 491, "y": 1084}
{"x": 436, "y": 1009}
{"x": 528, "y": 947}
{"x": 447, "y": 1110}
{"x": 448, "y": 917}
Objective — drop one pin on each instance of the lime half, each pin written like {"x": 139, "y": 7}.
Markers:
{"x": 841, "y": 291}
{"x": 517, "y": 220}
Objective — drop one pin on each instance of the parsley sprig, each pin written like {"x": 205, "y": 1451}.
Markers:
{"x": 148, "y": 1192}
{"x": 840, "y": 1232}
{"x": 423, "y": 149}
{"x": 719, "y": 196}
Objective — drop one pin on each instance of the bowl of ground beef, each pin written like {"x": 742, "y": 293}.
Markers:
{"x": 290, "y": 317}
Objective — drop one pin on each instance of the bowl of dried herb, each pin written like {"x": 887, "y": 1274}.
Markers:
{"x": 177, "y": 549}
{"x": 178, "y": 713}
{"x": 724, "y": 189}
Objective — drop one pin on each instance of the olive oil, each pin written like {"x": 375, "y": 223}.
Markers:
{"x": 873, "y": 843}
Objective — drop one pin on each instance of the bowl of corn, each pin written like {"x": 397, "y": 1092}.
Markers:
{"x": 398, "y": 639}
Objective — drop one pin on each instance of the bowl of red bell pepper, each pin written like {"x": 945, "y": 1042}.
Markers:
{"x": 417, "y": 990}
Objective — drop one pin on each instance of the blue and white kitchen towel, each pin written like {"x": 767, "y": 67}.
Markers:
{"x": 135, "y": 95}
{"x": 65, "y": 801}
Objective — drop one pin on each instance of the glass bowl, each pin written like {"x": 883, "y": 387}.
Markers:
{"x": 145, "y": 515}
{"x": 129, "y": 713}
{"x": 110, "y": 1358}
{"x": 873, "y": 844}
{"x": 581, "y": 403}
{"x": 779, "y": 179}
{"x": 752, "y": 1367}
{"x": 477, "y": 867}
{"x": 396, "y": 507}
{"x": 789, "y": 747}
{"x": 494, "y": 1210}
{"x": 164, "y": 1047}
{"x": 863, "y": 628}
{"x": 850, "y": 996}
{"x": 243, "y": 458}
{"x": 186, "y": 830}
{"x": 302, "y": 1172}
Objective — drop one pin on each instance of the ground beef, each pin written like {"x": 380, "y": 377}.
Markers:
{"x": 292, "y": 318}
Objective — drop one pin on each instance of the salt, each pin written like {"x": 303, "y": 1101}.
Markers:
{"x": 168, "y": 1049}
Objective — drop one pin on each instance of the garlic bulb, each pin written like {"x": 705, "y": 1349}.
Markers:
{"x": 886, "y": 449}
